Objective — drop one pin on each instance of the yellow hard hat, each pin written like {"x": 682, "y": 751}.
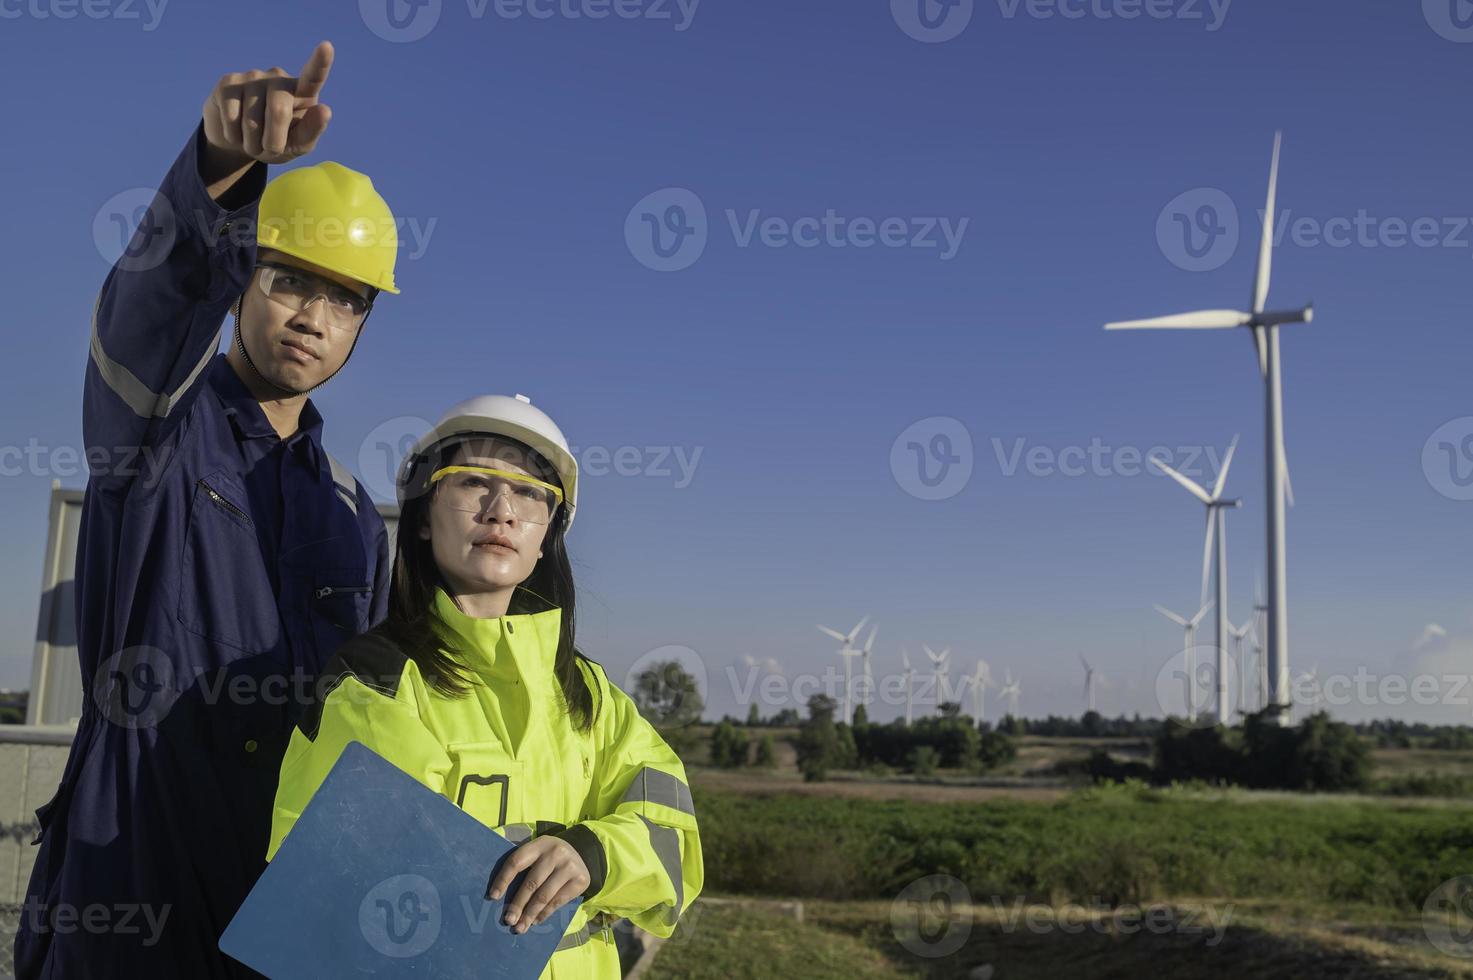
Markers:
{"x": 331, "y": 216}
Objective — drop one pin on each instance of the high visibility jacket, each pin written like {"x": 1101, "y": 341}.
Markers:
{"x": 218, "y": 568}
{"x": 509, "y": 756}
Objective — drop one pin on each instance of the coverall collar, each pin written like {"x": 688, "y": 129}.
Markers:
{"x": 245, "y": 411}
{"x": 531, "y": 639}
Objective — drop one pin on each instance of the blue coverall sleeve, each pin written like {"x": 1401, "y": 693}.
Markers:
{"x": 156, "y": 323}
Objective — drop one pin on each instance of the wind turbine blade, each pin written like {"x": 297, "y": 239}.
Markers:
{"x": 905, "y": 657}
{"x": 1207, "y": 552}
{"x": 1227, "y": 461}
{"x": 1195, "y": 320}
{"x": 1260, "y": 345}
{"x": 854, "y": 633}
{"x": 1178, "y": 620}
{"x": 834, "y": 633}
{"x": 1201, "y": 612}
{"x": 1266, "y": 242}
{"x": 870, "y": 643}
{"x": 1192, "y": 487}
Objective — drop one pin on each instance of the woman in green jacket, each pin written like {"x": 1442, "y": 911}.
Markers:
{"x": 472, "y": 685}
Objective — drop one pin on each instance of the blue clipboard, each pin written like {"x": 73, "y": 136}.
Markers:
{"x": 383, "y": 877}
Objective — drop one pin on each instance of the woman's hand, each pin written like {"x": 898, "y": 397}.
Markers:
{"x": 555, "y": 876}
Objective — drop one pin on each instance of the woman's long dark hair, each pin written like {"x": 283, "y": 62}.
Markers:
{"x": 413, "y": 626}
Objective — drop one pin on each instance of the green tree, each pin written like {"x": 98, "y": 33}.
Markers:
{"x": 923, "y": 760}
{"x": 728, "y": 745}
{"x": 995, "y": 749}
{"x": 669, "y": 699}
{"x": 818, "y": 741}
{"x": 766, "y": 753}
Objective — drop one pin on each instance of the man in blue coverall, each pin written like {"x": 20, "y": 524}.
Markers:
{"x": 223, "y": 555}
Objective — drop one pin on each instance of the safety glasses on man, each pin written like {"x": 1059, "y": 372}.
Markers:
{"x": 296, "y": 289}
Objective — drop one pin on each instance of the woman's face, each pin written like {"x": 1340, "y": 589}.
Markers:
{"x": 490, "y": 549}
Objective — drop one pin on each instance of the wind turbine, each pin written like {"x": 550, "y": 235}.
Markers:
{"x": 981, "y": 680}
{"x": 1190, "y": 625}
{"x": 1089, "y": 685}
{"x": 1264, "y": 326}
{"x": 869, "y": 677}
{"x": 1011, "y": 690}
{"x": 847, "y": 651}
{"x": 1259, "y": 611}
{"x": 939, "y": 666}
{"x": 909, "y": 673}
{"x": 1239, "y": 634}
{"x": 1216, "y": 524}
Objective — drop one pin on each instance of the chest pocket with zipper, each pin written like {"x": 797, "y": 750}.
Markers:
{"x": 486, "y": 782}
{"x": 339, "y": 604}
{"x": 225, "y": 593}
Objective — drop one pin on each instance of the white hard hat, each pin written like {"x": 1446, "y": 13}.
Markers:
{"x": 496, "y": 415}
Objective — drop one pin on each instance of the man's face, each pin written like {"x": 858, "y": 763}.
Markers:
{"x": 295, "y": 349}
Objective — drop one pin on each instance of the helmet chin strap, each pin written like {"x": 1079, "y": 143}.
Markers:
{"x": 245, "y": 354}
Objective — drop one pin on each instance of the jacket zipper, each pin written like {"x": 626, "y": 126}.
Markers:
{"x": 215, "y": 496}
{"x": 328, "y": 590}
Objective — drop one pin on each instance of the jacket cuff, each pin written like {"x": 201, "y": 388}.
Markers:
{"x": 192, "y": 200}
{"x": 591, "y": 850}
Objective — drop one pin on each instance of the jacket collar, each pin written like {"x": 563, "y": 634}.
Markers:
{"x": 245, "y": 412}
{"x": 524, "y": 643}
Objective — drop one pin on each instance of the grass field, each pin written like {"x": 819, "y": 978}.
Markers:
{"x": 1302, "y": 885}
{"x": 858, "y": 940}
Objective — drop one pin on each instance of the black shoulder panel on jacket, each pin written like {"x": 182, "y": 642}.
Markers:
{"x": 376, "y": 662}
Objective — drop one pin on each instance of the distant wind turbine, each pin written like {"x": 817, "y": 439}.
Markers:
{"x": 1216, "y": 524}
{"x": 1011, "y": 690}
{"x": 1091, "y": 678}
{"x": 981, "y": 680}
{"x": 1190, "y": 625}
{"x": 939, "y": 667}
{"x": 848, "y": 652}
{"x": 909, "y": 675}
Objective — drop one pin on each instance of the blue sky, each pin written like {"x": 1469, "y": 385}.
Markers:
{"x": 1051, "y": 139}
